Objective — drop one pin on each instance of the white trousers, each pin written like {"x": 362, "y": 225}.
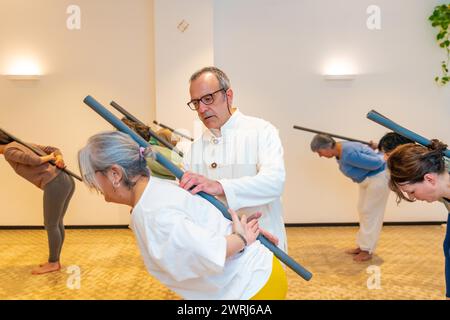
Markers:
{"x": 373, "y": 196}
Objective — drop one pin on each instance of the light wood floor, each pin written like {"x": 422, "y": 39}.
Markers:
{"x": 410, "y": 261}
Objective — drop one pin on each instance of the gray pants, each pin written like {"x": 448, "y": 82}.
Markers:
{"x": 57, "y": 195}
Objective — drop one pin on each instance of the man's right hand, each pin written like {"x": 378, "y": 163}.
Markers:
{"x": 272, "y": 238}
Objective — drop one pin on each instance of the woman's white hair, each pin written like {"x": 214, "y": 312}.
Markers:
{"x": 113, "y": 148}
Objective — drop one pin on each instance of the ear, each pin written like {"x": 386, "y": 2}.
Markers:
{"x": 430, "y": 178}
{"x": 229, "y": 94}
{"x": 116, "y": 173}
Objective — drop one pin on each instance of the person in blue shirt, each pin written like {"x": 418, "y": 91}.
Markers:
{"x": 367, "y": 168}
{"x": 421, "y": 173}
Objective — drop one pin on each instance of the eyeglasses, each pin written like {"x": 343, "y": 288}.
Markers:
{"x": 207, "y": 99}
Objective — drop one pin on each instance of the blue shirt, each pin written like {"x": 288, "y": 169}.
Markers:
{"x": 358, "y": 161}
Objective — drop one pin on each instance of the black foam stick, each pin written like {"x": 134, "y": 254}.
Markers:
{"x": 129, "y": 116}
{"x": 331, "y": 134}
{"x": 39, "y": 152}
{"x": 172, "y": 130}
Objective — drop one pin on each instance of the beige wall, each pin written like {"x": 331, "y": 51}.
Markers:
{"x": 178, "y": 54}
{"x": 111, "y": 57}
{"x": 278, "y": 76}
{"x": 275, "y": 53}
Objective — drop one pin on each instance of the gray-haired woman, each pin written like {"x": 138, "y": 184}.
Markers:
{"x": 185, "y": 241}
{"x": 367, "y": 168}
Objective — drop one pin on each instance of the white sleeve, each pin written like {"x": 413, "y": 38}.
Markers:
{"x": 187, "y": 159}
{"x": 182, "y": 248}
{"x": 267, "y": 185}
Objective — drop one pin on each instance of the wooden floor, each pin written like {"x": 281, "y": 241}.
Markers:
{"x": 409, "y": 264}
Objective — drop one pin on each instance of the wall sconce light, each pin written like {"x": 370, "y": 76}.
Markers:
{"x": 339, "y": 76}
{"x": 339, "y": 69}
{"x": 22, "y": 77}
{"x": 24, "y": 69}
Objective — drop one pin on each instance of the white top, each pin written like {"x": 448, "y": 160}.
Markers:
{"x": 182, "y": 241}
{"x": 247, "y": 159}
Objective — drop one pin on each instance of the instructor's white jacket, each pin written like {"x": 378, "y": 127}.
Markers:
{"x": 247, "y": 159}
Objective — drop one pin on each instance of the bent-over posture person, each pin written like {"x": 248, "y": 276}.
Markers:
{"x": 368, "y": 169}
{"x": 156, "y": 169}
{"x": 58, "y": 189}
{"x": 421, "y": 173}
{"x": 390, "y": 141}
{"x": 184, "y": 240}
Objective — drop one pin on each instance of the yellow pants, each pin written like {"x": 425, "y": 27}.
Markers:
{"x": 276, "y": 287}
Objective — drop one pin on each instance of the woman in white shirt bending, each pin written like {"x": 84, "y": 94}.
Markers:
{"x": 185, "y": 242}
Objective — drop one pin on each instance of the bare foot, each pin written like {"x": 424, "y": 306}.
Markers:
{"x": 45, "y": 263}
{"x": 362, "y": 256}
{"x": 353, "y": 251}
{"x": 47, "y": 267}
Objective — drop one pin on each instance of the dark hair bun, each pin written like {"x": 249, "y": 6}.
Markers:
{"x": 437, "y": 145}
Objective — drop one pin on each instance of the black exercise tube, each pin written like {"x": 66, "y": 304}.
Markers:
{"x": 172, "y": 130}
{"x": 129, "y": 116}
{"x": 39, "y": 152}
{"x": 119, "y": 125}
{"x": 331, "y": 135}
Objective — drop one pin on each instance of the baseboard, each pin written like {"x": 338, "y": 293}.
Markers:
{"x": 288, "y": 225}
{"x": 67, "y": 227}
{"x": 356, "y": 224}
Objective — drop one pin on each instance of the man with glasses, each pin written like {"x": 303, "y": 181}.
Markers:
{"x": 239, "y": 159}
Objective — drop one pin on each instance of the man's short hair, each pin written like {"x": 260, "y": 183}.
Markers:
{"x": 223, "y": 79}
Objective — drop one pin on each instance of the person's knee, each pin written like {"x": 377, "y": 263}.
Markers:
{"x": 363, "y": 208}
{"x": 365, "y": 211}
{"x": 51, "y": 226}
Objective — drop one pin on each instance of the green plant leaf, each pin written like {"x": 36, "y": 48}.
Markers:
{"x": 440, "y": 19}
